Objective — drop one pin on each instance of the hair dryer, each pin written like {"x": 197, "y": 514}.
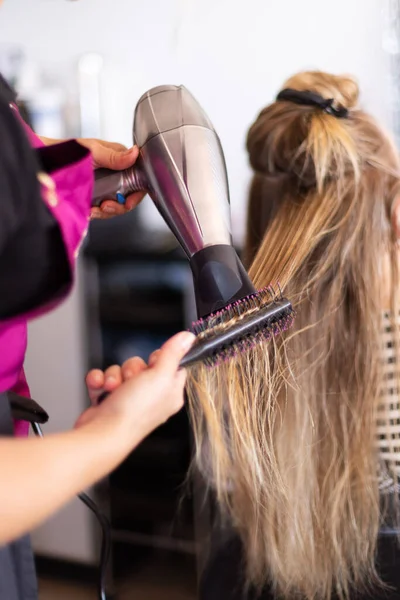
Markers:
{"x": 181, "y": 165}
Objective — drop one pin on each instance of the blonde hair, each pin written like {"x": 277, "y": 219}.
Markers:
{"x": 286, "y": 432}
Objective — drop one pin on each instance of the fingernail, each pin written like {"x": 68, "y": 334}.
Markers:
{"x": 110, "y": 210}
{"x": 110, "y": 379}
{"x": 128, "y": 374}
{"x": 186, "y": 339}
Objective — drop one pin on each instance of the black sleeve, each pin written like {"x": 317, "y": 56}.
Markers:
{"x": 33, "y": 263}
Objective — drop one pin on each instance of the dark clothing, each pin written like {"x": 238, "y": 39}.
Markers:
{"x": 17, "y": 567}
{"x": 33, "y": 262}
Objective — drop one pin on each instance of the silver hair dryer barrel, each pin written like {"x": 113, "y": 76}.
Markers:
{"x": 182, "y": 167}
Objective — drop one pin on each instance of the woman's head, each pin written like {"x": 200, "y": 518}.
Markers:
{"x": 290, "y": 427}
{"x": 303, "y": 151}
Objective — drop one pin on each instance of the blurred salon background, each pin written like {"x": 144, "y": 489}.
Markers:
{"x": 79, "y": 68}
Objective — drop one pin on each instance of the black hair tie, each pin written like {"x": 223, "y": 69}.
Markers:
{"x": 307, "y": 98}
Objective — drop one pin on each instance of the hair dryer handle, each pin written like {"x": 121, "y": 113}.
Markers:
{"x": 116, "y": 185}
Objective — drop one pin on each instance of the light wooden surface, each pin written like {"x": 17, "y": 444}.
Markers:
{"x": 153, "y": 581}
{"x": 52, "y": 590}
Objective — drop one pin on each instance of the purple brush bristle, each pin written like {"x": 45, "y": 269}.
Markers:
{"x": 210, "y": 327}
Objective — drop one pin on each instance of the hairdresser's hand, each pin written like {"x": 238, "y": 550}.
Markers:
{"x": 98, "y": 382}
{"x": 117, "y": 157}
{"x": 42, "y": 475}
{"x": 114, "y": 156}
{"x": 149, "y": 396}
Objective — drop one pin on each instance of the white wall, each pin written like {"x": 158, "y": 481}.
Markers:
{"x": 233, "y": 56}
{"x": 55, "y": 369}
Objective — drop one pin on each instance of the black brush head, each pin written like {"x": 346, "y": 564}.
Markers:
{"x": 239, "y": 327}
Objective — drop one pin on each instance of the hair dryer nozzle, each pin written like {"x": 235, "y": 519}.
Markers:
{"x": 219, "y": 278}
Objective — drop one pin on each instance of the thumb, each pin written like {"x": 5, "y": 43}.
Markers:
{"x": 171, "y": 353}
{"x": 111, "y": 158}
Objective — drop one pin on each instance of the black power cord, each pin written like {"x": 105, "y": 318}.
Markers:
{"x": 105, "y": 543}
{"x": 105, "y": 530}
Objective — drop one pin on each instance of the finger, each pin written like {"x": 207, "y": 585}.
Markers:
{"x": 153, "y": 358}
{"x": 95, "y": 379}
{"x": 115, "y": 146}
{"x": 173, "y": 351}
{"x": 101, "y": 213}
{"x": 112, "y": 208}
{"x": 94, "y": 384}
{"x": 96, "y": 213}
{"x": 100, "y": 148}
{"x": 133, "y": 200}
{"x": 117, "y": 160}
{"x": 92, "y": 143}
{"x": 132, "y": 367}
{"x": 112, "y": 378}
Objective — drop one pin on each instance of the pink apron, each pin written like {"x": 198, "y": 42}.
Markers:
{"x": 70, "y": 205}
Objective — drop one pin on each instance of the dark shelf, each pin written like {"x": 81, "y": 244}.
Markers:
{"x": 142, "y": 511}
{"x": 158, "y": 452}
{"x": 140, "y": 315}
{"x": 142, "y": 302}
